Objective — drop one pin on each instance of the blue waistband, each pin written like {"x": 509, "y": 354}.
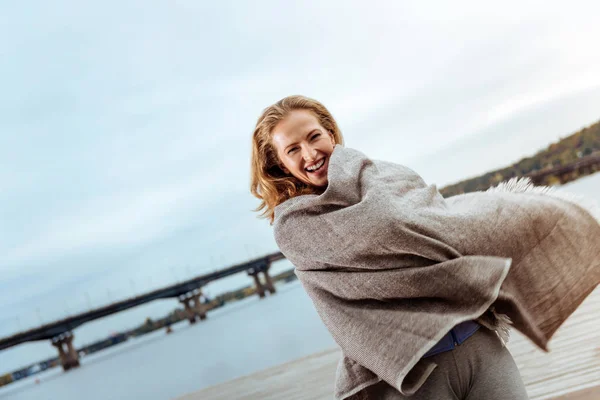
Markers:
{"x": 456, "y": 336}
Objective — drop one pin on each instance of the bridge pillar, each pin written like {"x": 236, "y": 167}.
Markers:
{"x": 193, "y": 307}
{"x": 260, "y": 289}
{"x": 199, "y": 308}
{"x": 188, "y": 310}
{"x": 69, "y": 358}
{"x": 268, "y": 282}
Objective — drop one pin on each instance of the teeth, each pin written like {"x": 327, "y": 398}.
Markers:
{"x": 316, "y": 166}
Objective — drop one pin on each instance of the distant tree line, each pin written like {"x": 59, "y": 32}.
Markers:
{"x": 569, "y": 150}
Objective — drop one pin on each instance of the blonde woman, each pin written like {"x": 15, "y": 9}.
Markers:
{"x": 417, "y": 290}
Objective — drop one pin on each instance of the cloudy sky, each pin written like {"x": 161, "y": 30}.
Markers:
{"x": 125, "y": 125}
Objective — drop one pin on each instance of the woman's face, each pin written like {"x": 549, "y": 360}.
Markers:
{"x": 303, "y": 147}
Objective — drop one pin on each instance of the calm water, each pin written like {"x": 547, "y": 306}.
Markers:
{"x": 236, "y": 340}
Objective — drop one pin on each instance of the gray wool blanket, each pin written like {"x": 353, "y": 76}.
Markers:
{"x": 391, "y": 266}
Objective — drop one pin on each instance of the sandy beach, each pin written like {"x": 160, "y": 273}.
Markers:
{"x": 570, "y": 371}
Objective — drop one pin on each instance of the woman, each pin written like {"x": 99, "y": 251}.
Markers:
{"x": 416, "y": 289}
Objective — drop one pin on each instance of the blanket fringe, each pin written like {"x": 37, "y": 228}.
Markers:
{"x": 499, "y": 323}
{"x": 522, "y": 185}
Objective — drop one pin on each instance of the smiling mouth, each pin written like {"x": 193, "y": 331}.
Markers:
{"x": 316, "y": 167}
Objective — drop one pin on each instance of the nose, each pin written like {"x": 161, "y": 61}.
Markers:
{"x": 309, "y": 153}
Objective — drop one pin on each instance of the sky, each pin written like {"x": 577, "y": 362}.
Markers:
{"x": 125, "y": 126}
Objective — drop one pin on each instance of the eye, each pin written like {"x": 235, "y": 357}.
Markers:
{"x": 293, "y": 149}
{"x": 316, "y": 135}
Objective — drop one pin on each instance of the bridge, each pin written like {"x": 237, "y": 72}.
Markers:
{"x": 189, "y": 293}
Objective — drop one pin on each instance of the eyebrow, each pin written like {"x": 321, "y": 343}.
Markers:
{"x": 295, "y": 143}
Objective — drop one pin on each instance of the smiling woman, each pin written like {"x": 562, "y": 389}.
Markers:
{"x": 291, "y": 146}
{"x": 419, "y": 291}
{"x": 304, "y": 147}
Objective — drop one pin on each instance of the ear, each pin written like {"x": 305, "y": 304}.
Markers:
{"x": 332, "y": 138}
{"x": 284, "y": 169}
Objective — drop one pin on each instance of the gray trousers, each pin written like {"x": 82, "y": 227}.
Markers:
{"x": 478, "y": 369}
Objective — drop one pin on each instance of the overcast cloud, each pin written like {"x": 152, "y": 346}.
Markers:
{"x": 125, "y": 126}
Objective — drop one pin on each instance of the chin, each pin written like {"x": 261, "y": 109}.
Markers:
{"x": 319, "y": 184}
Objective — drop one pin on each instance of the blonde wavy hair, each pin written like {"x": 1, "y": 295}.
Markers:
{"x": 269, "y": 182}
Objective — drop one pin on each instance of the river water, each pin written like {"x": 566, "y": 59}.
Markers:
{"x": 234, "y": 341}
